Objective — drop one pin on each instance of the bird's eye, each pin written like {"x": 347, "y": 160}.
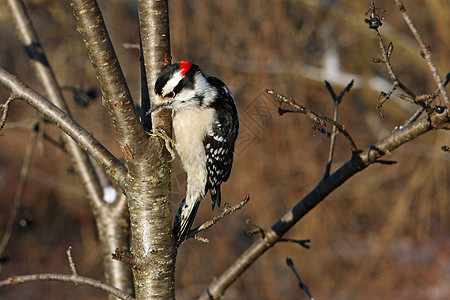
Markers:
{"x": 170, "y": 95}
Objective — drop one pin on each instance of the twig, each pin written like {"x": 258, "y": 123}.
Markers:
{"x": 303, "y": 243}
{"x": 386, "y": 59}
{"x": 125, "y": 257}
{"x": 345, "y": 90}
{"x": 425, "y": 50}
{"x": 19, "y": 190}
{"x": 73, "y": 268}
{"x": 4, "y": 110}
{"x": 303, "y": 286}
{"x": 333, "y": 133}
{"x": 419, "y": 111}
{"x": 386, "y": 96}
{"x": 386, "y": 53}
{"x": 256, "y": 230}
{"x": 312, "y": 115}
{"x": 77, "y": 279}
{"x": 385, "y": 162}
{"x": 375, "y": 23}
{"x": 201, "y": 239}
{"x": 227, "y": 210}
{"x": 331, "y": 91}
{"x": 336, "y": 100}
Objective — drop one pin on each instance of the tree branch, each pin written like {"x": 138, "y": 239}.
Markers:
{"x": 155, "y": 43}
{"x": 386, "y": 53}
{"x": 336, "y": 101}
{"x": 303, "y": 286}
{"x": 324, "y": 188}
{"x": 12, "y": 280}
{"x": 148, "y": 181}
{"x": 312, "y": 115}
{"x": 72, "y": 266}
{"x": 303, "y": 243}
{"x": 20, "y": 90}
{"x": 4, "y": 108}
{"x": 425, "y": 50}
{"x": 152, "y": 244}
{"x": 111, "y": 234}
{"x": 116, "y": 95}
{"x": 227, "y": 210}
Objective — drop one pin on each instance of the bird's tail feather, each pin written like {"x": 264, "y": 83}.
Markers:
{"x": 184, "y": 219}
{"x": 215, "y": 196}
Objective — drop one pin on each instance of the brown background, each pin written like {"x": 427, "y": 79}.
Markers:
{"x": 383, "y": 235}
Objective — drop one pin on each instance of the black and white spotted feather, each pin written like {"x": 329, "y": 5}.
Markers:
{"x": 219, "y": 143}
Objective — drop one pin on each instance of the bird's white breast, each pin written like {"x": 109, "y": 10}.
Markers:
{"x": 190, "y": 127}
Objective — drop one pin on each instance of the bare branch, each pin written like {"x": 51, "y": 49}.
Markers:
{"x": 73, "y": 268}
{"x": 336, "y": 101}
{"x": 152, "y": 243}
{"x": 12, "y": 280}
{"x": 19, "y": 90}
{"x": 227, "y": 210}
{"x": 425, "y": 50}
{"x": 385, "y": 162}
{"x": 331, "y": 91}
{"x": 303, "y": 286}
{"x": 312, "y": 115}
{"x": 116, "y": 95}
{"x": 324, "y": 188}
{"x": 386, "y": 97}
{"x": 338, "y": 98}
{"x": 4, "y": 110}
{"x": 110, "y": 229}
{"x": 332, "y": 141}
{"x": 303, "y": 243}
{"x": 386, "y": 53}
{"x": 256, "y": 230}
{"x": 125, "y": 257}
{"x": 419, "y": 112}
{"x": 155, "y": 42}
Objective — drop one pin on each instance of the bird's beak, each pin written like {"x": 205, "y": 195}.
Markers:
{"x": 158, "y": 105}
{"x": 153, "y": 108}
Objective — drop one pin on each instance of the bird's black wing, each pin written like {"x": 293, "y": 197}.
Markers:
{"x": 219, "y": 143}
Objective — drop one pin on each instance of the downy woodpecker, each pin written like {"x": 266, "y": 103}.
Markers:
{"x": 206, "y": 125}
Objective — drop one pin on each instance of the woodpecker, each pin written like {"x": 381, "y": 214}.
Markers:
{"x": 206, "y": 126}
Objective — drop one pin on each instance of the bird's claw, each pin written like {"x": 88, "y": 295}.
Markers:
{"x": 169, "y": 143}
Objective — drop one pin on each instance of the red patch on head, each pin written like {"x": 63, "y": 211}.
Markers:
{"x": 184, "y": 66}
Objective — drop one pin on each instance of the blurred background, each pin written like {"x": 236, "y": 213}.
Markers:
{"x": 383, "y": 235}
